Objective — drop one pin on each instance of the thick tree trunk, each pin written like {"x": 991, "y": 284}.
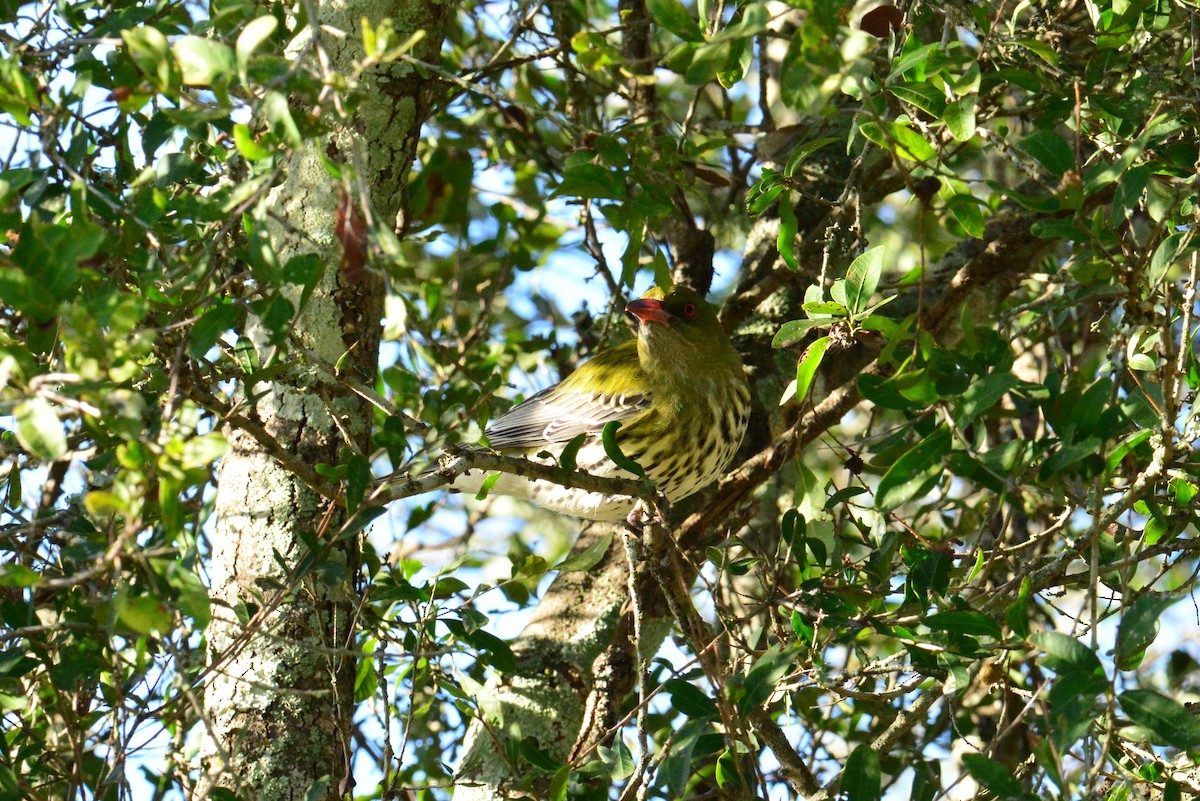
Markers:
{"x": 279, "y": 701}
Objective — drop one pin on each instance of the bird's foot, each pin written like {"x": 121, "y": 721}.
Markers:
{"x": 646, "y": 513}
{"x": 643, "y": 514}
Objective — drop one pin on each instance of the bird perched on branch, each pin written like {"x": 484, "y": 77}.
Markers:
{"x": 678, "y": 392}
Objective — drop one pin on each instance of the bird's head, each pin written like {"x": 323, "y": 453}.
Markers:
{"x": 679, "y": 331}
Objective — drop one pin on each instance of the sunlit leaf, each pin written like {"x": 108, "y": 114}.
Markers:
{"x": 862, "y": 276}
{"x": 39, "y": 430}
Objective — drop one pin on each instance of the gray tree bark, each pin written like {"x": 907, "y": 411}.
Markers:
{"x": 567, "y": 689}
{"x": 279, "y": 699}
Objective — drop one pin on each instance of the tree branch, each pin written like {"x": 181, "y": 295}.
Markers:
{"x": 460, "y": 459}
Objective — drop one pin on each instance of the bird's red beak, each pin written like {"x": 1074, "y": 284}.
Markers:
{"x": 649, "y": 310}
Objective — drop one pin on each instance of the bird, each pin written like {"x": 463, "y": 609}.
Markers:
{"x": 678, "y": 391}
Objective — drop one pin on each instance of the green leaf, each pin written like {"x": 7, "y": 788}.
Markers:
{"x": 203, "y": 450}
{"x": 762, "y": 678}
{"x": 1166, "y": 718}
{"x": 965, "y": 209}
{"x": 254, "y": 34}
{"x": 358, "y": 478}
{"x": 792, "y": 332}
{"x": 1142, "y": 362}
{"x": 486, "y": 486}
{"x": 618, "y": 760}
{"x": 997, "y": 778}
{"x": 960, "y": 118}
{"x": 799, "y": 153}
{"x": 862, "y": 277}
{"x": 825, "y": 309}
{"x": 982, "y": 395}
{"x": 1043, "y": 50}
{"x": 926, "y": 782}
{"x": 709, "y": 59}
{"x": 278, "y": 113}
{"x": 861, "y": 778}
{"x": 675, "y": 18}
{"x": 143, "y": 613}
{"x": 899, "y": 139}
{"x": 844, "y": 495}
{"x": 915, "y": 472}
{"x": 1058, "y": 229}
{"x": 204, "y": 62}
{"x": 211, "y": 326}
{"x": 763, "y": 194}
{"x": 1068, "y": 455}
{"x": 39, "y": 430}
{"x": 306, "y": 270}
{"x": 676, "y": 767}
{"x": 740, "y": 58}
{"x": 1165, "y": 255}
{"x": 149, "y": 50}
{"x": 753, "y": 20}
{"x": 924, "y": 96}
{"x": 318, "y": 789}
{"x": 1125, "y": 446}
{"x": 608, "y": 437}
{"x": 786, "y": 241}
{"x": 1139, "y": 627}
{"x": 1050, "y": 150}
{"x": 247, "y": 145}
{"x": 1128, "y": 197}
{"x": 276, "y": 313}
{"x": 592, "y": 181}
{"x": 690, "y": 700}
{"x": 499, "y": 655}
{"x": 912, "y": 57}
{"x": 965, "y": 622}
{"x": 559, "y": 784}
{"x": 588, "y": 558}
{"x": 570, "y": 453}
{"x": 1065, "y": 653}
{"x": 968, "y": 82}
{"x": 18, "y": 575}
{"x": 728, "y": 778}
{"x": 538, "y": 757}
{"x": 806, "y": 369}
{"x": 193, "y": 595}
{"x": 911, "y": 145}
{"x": 837, "y": 292}
{"x": 1016, "y": 616}
{"x": 1101, "y": 174}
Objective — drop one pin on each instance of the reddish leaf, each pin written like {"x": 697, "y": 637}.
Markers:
{"x": 881, "y": 20}
{"x": 351, "y": 232}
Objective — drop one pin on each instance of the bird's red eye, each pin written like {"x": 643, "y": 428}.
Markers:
{"x": 689, "y": 311}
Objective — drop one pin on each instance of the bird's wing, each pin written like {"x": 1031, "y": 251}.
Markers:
{"x": 559, "y": 413}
